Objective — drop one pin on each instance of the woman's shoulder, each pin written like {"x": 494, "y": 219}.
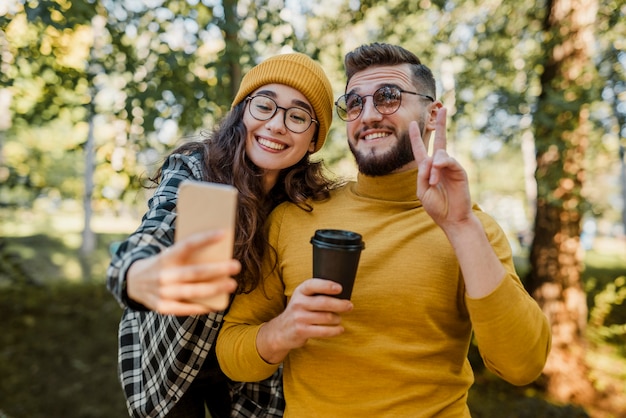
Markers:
{"x": 191, "y": 160}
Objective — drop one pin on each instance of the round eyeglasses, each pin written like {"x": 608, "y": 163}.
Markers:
{"x": 296, "y": 119}
{"x": 387, "y": 100}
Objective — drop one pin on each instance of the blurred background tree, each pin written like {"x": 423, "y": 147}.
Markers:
{"x": 562, "y": 134}
{"x": 94, "y": 92}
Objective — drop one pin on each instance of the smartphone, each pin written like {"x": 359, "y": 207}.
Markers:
{"x": 204, "y": 206}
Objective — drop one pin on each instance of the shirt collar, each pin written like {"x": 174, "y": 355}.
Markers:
{"x": 398, "y": 187}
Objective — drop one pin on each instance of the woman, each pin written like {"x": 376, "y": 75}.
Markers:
{"x": 280, "y": 115}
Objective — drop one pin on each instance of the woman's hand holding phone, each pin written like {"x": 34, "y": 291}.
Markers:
{"x": 194, "y": 275}
{"x": 175, "y": 282}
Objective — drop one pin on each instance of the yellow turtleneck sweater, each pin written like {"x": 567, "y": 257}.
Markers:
{"x": 404, "y": 350}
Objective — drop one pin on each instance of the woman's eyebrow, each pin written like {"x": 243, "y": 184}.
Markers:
{"x": 296, "y": 102}
{"x": 300, "y": 103}
{"x": 269, "y": 93}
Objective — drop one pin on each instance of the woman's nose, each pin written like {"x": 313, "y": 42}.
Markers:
{"x": 277, "y": 122}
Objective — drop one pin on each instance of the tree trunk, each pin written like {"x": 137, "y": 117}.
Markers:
{"x": 89, "y": 238}
{"x": 88, "y": 244}
{"x": 561, "y": 137}
{"x": 616, "y": 84}
{"x": 622, "y": 177}
{"x": 232, "y": 50}
{"x": 530, "y": 166}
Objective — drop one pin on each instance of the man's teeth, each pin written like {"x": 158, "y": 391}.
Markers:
{"x": 271, "y": 144}
{"x": 376, "y": 135}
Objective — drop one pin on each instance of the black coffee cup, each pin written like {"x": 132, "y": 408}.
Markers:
{"x": 336, "y": 256}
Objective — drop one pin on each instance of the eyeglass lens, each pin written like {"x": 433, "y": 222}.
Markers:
{"x": 387, "y": 100}
{"x": 296, "y": 119}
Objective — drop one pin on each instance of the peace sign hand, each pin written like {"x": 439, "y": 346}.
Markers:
{"x": 442, "y": 184}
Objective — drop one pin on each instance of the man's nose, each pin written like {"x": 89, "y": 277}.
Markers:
{"x": 369, "y": 111}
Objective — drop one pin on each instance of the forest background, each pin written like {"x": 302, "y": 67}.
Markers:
{"x": 93, "y": 93}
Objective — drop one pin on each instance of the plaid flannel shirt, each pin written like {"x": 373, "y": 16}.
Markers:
{"x": 160, "y": 355}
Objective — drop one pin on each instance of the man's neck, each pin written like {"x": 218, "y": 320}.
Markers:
{"x": 407, "y": 167}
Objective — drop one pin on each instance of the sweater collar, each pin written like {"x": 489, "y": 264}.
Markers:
{"x": 398, "y": 187}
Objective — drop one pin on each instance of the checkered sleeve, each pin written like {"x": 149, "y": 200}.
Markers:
{"x": 160, "y": 356}
{"x": 156, "y": 230}
{"x": 262, "y": 399}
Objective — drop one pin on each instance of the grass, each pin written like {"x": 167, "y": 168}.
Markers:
{"x": 58, "y": 355}
{"x": 59, "y": 342}
{"x": 58, "y": 348}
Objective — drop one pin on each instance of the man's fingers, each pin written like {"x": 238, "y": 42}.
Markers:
{"x": 417, "y": 143}
{"x": 440, "y": 130}
{"x": 313, "y": 287}
{"x": 311, "y": 294}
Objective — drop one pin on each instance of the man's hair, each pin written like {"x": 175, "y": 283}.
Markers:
{"x": 381, "y": 54}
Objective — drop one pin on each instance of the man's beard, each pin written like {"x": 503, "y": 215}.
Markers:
{"x": 374, "y": 165}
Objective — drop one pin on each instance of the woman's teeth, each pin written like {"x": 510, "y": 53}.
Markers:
{"x": 271, "y": 144}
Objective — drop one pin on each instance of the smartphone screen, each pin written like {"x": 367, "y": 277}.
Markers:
{"x": 204, "y": 206}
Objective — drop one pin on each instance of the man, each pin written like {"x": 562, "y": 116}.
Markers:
{"x": 434, "y": 270}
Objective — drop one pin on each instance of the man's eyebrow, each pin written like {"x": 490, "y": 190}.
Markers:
{"x": 378, "y": 86}
{"x": 295, "y": 102}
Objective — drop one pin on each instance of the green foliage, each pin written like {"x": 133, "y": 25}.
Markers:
{"x": 59, "y": 14}
{"x": 608, "y": 316}
{"x": 149, "y": 76}
{"x": 145, "y": 75}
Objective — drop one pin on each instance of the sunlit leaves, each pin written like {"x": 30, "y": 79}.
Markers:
{"x": 59, "y": 14}
{"x": 155, "y": 64}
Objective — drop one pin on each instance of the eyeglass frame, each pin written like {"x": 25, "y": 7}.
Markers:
{"x": 361, "y": 98}
{"x": 285, "y": 110}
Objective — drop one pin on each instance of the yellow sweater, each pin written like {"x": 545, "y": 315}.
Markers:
{"x": 404, "y": 351}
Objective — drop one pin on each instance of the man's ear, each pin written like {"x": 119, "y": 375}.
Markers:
{"x": 431, "y": 122}
{"x": 432, "y": 115}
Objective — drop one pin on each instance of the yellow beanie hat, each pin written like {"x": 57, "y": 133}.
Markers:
{"x": 300, "y": 72}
